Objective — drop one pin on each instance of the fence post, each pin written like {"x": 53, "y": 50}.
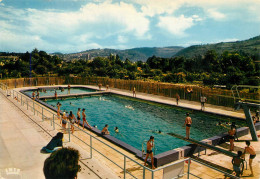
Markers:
{"x": 143, "y": 172}
{"x": 152, "y": 174}
{"x": 124, "y": 166}
{"x": 189, "y": 168}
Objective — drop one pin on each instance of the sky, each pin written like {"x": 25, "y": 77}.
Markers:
{"x": 69, "y": 26}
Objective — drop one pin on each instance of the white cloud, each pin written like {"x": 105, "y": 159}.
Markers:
{"x": 91, "y": 22}
{"x": 122, "y": 39}
{"x": 177, "y": 25}
{"x": 156, "y": 7}
{"x": 213, "y": 13}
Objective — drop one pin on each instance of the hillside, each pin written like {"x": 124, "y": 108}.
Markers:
{"x": 250, "y": 46}
{"x": 134, "y": 54}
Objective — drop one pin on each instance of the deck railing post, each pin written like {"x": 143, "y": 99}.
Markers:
{"x": 188, "y": 169}
{"x": 143, "y": 172}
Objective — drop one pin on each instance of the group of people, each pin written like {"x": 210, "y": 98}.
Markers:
{"x": 37, "y": 96}
{"x": 72, "y": 119}
{"x": 238, "y": 160}
{"x": 203, "y": 99}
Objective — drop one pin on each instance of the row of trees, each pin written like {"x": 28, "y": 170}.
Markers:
{"x": 213, "y": 69}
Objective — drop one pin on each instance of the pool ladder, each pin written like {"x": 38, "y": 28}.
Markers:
{"x": 144, "y": 148}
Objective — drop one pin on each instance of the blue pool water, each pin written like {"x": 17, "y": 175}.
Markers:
{"x": 50, "y": 92}
{"x": 138, "y": 120}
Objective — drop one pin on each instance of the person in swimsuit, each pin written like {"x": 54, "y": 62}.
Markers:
{"x": 37, "y": 94}
{"x": 134, "y": 93}
{"x": 187, "y": 123}
{"x": 105, "y": 130}
{"x": 250, "y": 149}
{"x": 203, "y": 100}
{"x": 78, "y": 116}
{"x": 33, "y": 95}
{"x": 72, "y": 120}
{"x": 56, "y": 95}
{"x": 237, "y": 161}
{"x": 58, "y": 106}
{"x": 231, "y": 134}
{"x": 68, "y": 88}
{"x": 149, "y": 151}
{"x": 256, "y": 117}
{"x": 58, "y": 115}
{"x": 116, "y": 129}
{"x": 177, "y": 98}
{"x": 99, "y": 86}
{"x": 84, "y": 119}
{"x": 64, "y": 121}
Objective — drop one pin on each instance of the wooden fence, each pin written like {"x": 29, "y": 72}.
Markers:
{"x": 218, "y": 97}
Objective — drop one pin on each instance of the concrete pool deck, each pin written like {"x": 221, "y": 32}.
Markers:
{"x": 26, "y": 129}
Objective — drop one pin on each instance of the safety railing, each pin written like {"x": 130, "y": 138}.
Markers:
{"x": 145, "y": 172}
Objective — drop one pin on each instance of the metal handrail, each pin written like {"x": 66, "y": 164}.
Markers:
{"x": 5, "y": 87}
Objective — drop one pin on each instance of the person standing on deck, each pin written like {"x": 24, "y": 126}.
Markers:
{"x": 187, "y": 123}
{"x": 149, "y": 151}
{"x": 203, "y": 100}
{"x": 72, "y": 120}
{"x": 177, "y": 98}
{"x": 250, "y": 149}
{"x": 84, "y": 119}
{"x": 68, "y": 88}
{"x": 33, "y": 95}
{"x": 64, "y": 121}
{"x": 78, "y": 116}
{"x": 237, "y": 161}
{"x": 37, "y": 95}
{"x": 231, "y": 134}
{"x": 134, "y": 93}
{"x": 55, "y": 95}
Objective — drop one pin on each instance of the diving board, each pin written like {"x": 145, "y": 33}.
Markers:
{"x": 205, "y": 145}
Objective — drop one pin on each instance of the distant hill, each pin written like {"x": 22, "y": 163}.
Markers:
{"x": 134, "y": 54}
{"x": 250, "y": 46}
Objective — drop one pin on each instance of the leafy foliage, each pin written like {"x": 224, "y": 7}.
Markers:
{"x": 212, "y": 68}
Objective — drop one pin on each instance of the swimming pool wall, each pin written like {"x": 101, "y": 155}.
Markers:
{"x": 159, "y": 159}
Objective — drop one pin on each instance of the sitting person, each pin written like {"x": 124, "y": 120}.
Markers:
{"x": 63, "y": 164}
{"x": 54, "y": 144}
{"x": 105, "y": 130}
{"x": 237, "y": 161}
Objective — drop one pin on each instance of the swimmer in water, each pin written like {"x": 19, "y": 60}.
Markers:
{"x": 158, "y": 132}
{"x": 129, "y": 107}
{"x": 116, "y": 129}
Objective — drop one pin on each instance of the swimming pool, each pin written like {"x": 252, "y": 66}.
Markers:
{"x": 137, "y": 120}
{"x": 51, "y": 91}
